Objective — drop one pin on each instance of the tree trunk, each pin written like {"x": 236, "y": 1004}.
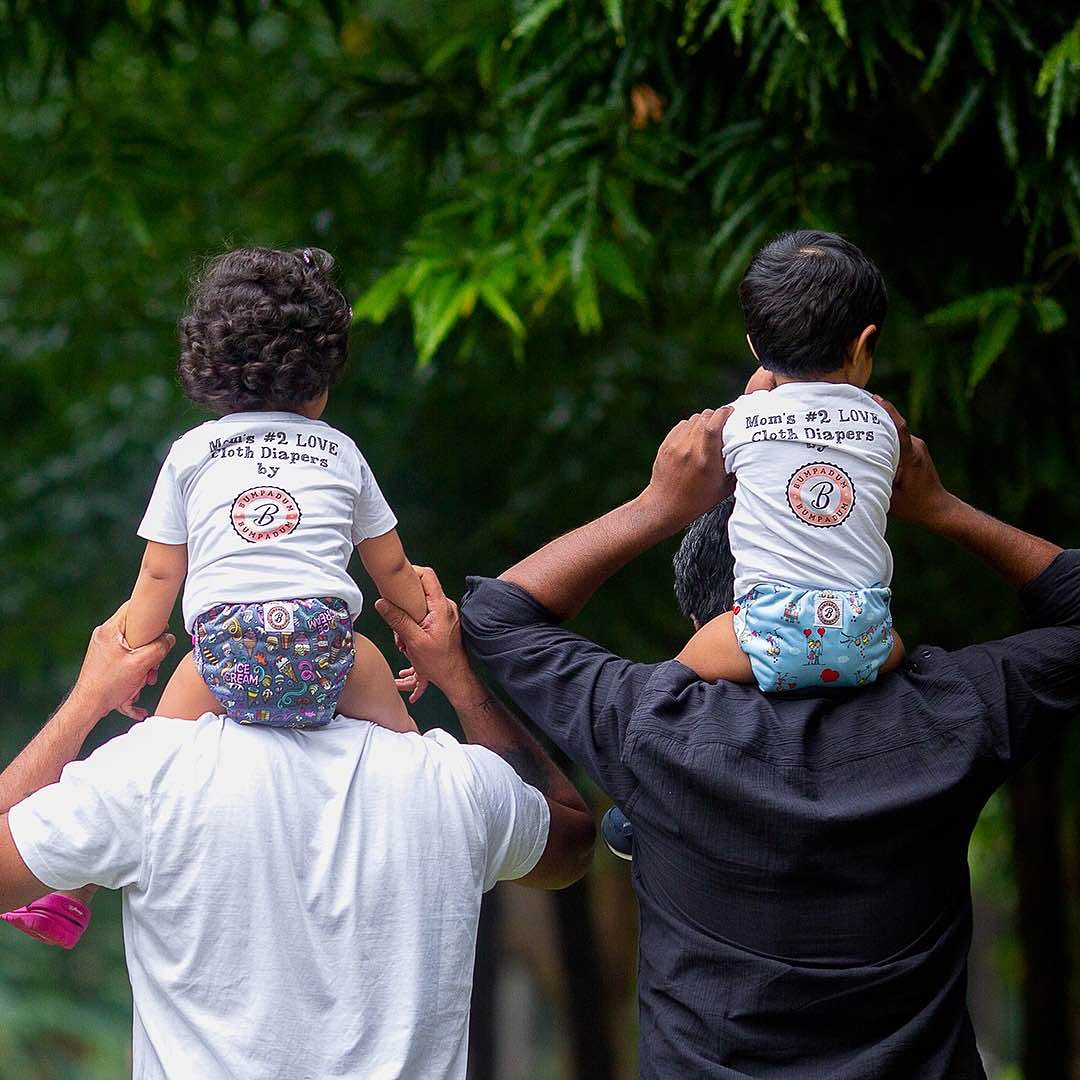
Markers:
{"x": 590, "y": 1046}
{"x": 1041, "y": 916}
{"x": 485, "y": 972}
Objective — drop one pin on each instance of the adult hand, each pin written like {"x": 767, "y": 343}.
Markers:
{"x": 433, "y": 646}
{"x": 688, "y": 476}
{"x": 113, "y": 673}
{"x": 918, "y": 494}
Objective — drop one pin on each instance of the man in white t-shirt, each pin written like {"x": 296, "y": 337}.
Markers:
{"x": 296, "y": 903}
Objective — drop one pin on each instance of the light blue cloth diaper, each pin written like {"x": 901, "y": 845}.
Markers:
{"x": 802, "y": 638}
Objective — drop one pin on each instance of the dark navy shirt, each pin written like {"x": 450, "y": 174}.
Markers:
{"x": 800, "y": 864}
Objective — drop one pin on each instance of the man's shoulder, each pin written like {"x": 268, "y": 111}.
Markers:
{"x": 474, "y": 768}
{"x": 150, "y": 743}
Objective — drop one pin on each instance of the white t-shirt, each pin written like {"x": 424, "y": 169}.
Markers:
{"x": 815, "y": 464}
{"x": 297, "y": 904}
{"x": 270, "y": 505}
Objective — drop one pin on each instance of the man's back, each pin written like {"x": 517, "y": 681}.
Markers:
{"x": 814, "y": 851}
{"x": 298, "y": 904}
{"x": 800, "y": 864}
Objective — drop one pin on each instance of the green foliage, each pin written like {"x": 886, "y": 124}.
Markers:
{"x": 593, "y": 111}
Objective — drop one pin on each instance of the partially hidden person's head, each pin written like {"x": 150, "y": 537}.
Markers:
{"x": 814, "y": 306}
{"x": 266, "y": 329}
{"x": 705, "y": 568}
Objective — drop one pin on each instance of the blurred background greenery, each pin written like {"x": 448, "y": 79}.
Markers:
{"x": 542, "y": 208}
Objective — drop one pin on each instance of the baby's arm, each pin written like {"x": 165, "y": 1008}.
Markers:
{"x": 714, "y": 652}
{"x": 385, "y": 560}
{"x": 152, "y": 599}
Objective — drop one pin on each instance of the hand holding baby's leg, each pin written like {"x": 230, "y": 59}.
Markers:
{"x": 370, "y": 693}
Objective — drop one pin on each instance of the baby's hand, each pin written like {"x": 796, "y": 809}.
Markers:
{"x": 409, "y": 682}
{"x": 761, "y": 380}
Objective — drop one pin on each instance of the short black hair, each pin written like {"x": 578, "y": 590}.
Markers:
{"x": 805, "y": 298}
{"x": 265, "y": 329}
{"x": 705, "y": 567}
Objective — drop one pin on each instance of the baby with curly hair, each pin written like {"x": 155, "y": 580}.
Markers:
{"x": 256, "y": 513}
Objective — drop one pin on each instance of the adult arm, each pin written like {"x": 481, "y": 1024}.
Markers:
{"x": 436, "y": 652}
{"x": 920, "y": 497}
{"x": 1028, "y": 684}
{"x": 112, "y": 675}
{"x": 688, "y": 478}
{"x": 580, "y": 694}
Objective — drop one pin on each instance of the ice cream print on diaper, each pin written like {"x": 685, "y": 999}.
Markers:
{"x": 281, "y": 663}
{"x": 797, "y": 639}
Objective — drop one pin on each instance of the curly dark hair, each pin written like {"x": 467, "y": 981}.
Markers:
{"x": 266, "y": 329}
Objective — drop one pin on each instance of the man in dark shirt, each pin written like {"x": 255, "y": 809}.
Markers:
{"x": 800, "y": 863}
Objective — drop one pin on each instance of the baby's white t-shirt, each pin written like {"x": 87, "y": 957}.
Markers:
{"x": 814, "y": 464}
{"x": 270, "y": 506}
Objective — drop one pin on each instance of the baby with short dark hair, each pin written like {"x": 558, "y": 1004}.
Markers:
{"x": 814, "y": 456}
{"x": 256, "y": 514}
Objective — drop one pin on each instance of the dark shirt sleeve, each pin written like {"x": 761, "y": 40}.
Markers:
{"x": 1029, "y": 683}
{"x": 580, "y": 695}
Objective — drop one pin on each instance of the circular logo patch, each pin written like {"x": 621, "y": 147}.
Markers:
{"x": 828, "y": 613}
{"x": 820, "y": 494}
{"x": 264, "y": 513}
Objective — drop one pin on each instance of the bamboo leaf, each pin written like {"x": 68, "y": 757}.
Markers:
{"x": 612, "y": 267}
{"x": 375, "y": 304}
{"x": 1018, "y": 30}
{"x": 981, "y": 43}
{"x": 535, "y": 17}
{"x": 789, "y": 12}
{"x": 586, "y": 304}
{"x": 435, "y": 314}
{"x": 834, "y": 11}
{"x": 1053, "y": 119}
{"x": 1050, "y": 313}
{"x": 970, "y": 308}
{"x": 613, "y": 9}
{"x": 991, "y": 342}
{"x": 735, "y": 266}
{"x": 1066, "y": 52}
{"x": 737, "y": 18}
{"x": 501, "y": 307}
{"x": 1006, "y": 122}
{"x": 617, "y": 197}
{"x": 898, "y": 29}
{"x": 942, "y": 50}
{"x": 960, "y": 120}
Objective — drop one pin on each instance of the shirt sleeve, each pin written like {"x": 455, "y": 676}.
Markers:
{"x": 1029, "y": 683}
{"x": 165, "y": 520}
{"x": 516, "y": 817}
{"x": 579, "y": 694}
{"x": 90, "y": 826}
{"x": 372, "y": 515}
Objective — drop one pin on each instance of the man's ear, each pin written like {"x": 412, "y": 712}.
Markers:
{"x": 752, "y": 349}
{"x": 695, "y": 622}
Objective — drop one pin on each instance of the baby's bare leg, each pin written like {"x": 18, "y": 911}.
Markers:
{"x": 186, "y": 696}
{"x": 895, "y": 656}
{"x": 370, "y": 693}
{"x": 714, "y": 652}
